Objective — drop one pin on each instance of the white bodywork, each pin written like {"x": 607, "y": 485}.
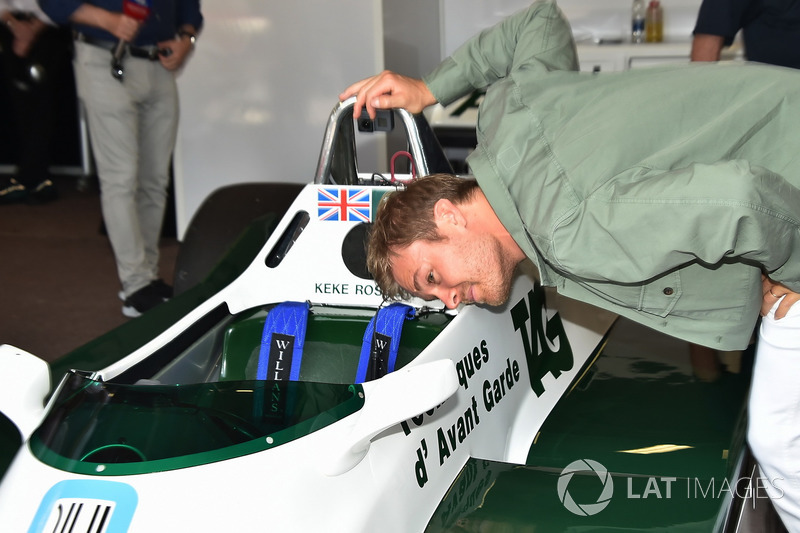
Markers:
{"x": 386, "y": 467}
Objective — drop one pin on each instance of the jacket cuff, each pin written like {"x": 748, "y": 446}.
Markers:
{"x": 446, "y": 82}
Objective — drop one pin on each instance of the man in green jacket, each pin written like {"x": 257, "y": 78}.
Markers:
{"x": 661, "y": 194}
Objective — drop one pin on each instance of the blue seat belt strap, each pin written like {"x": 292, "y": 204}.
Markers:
{"x": 282, "y": 342}
{"x": 382, "y": 340}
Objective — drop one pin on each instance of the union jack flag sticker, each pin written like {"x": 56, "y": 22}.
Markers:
{"x": 344, "y": 204}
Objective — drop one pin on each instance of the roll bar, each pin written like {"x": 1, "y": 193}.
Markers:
{"x": 426, "y": 152}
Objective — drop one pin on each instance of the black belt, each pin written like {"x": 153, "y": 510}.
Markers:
{"x": 145, "y": 52}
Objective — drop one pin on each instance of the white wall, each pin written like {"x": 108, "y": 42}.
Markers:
{"x": 411, "y": 35}
{"x": 589, "y": 18}
{"x": 257, "y": 93}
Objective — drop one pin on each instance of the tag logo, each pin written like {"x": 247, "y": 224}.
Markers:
{"x": 544, "y": 340}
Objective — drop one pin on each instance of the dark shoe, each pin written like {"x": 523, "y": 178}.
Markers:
{"x": 11, "y": 190}
{"x": 43, "y": 193}
{"x": 142, "y": 300}
{"x": 162, "y": 288}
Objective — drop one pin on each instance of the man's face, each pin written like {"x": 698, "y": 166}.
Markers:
{"x": 459, "y": 269}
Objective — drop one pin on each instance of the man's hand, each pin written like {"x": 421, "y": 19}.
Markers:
{"x": 180, "y": 48}
{"x": 773, "y": 292}
{"x": 25, "y": 34}
{"x": 389, "y": 90}
{"x": 119, "y": 25}
{"x": 124, "y": 27}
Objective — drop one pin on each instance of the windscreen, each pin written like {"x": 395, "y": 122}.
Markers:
{"x": 111, "y": 429}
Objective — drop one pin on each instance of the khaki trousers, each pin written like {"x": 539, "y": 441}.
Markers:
{"x": 132, "y": 128}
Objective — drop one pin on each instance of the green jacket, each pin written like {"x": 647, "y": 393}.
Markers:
{"x": 660, "y": 194}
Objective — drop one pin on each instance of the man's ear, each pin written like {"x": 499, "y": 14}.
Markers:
{"x": 446, "y": 213}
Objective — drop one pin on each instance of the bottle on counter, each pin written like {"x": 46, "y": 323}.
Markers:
{"x": 654, "y": 23}
{"x": 637, "y": 21}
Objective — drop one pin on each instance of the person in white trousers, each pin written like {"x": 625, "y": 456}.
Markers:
{"x": 774, "y": 410}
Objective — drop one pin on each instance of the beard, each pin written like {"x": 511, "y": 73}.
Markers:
{"x": 500, "y": 289}
{"x": 494, "y": 272}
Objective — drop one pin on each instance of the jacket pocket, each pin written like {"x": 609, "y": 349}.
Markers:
{"x": 660, "y": 297}
{"x": 657, "y": 297}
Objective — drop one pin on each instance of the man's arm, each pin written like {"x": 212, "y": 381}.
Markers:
{"x": 537, "y": 37}
{"x": 707, "y": 47}
{"x": 25, "y": 32}
{"x": 717, "y": 23}
{"x": 190, "y": 22}
{"x": 181, "y": 46}
{"x": 117, "y": 24}
{"x": 71, "y": 11}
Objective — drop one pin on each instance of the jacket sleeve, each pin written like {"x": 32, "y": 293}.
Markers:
{"x": 60, "y": 11}
{"x": 189, "y": 13}
{"x": 721, "y": 17}
{"x": 539, "y": 35}
{"x": 651, "y": 222}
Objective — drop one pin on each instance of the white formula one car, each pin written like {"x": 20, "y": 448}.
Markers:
{"x": 279, "y": 392}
